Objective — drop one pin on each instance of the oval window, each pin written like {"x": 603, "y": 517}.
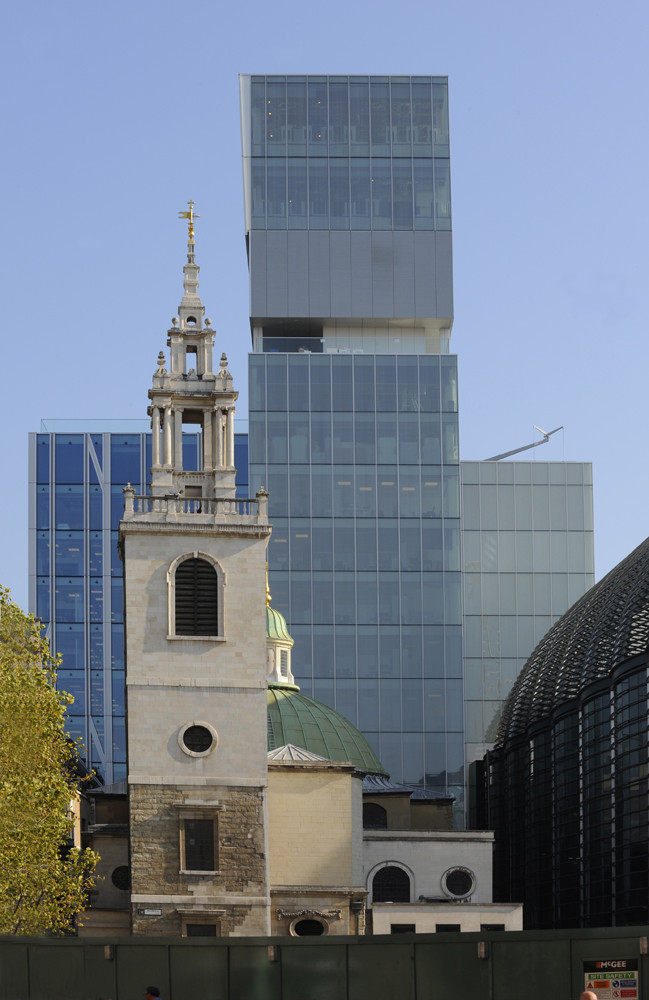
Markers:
{"x": 198, "y": 739}
{"x": 458, "y": 882}
{"x": 308, "y": 928}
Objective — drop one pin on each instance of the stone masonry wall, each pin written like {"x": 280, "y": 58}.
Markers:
{"x": 155, "y": 855}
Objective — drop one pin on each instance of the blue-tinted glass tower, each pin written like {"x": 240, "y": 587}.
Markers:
{"x": 353, "y": 400}
{"x": 77, "y": 473}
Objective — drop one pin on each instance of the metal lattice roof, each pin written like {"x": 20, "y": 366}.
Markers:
{"x": 294, "y": 718}
{"x": 606, "y": 627}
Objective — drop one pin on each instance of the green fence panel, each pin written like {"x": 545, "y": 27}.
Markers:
{"x": 99, "y": 971}
{"x": 56, "y": 972}
{"x": 253, "y": 975}
{"x": 141, "y": 965}
{"x": 198, "y": 972}
{"x": 451, "y": 969}
{"x": 314, "y": 973}
{"x": 522, "y": 968}
{"x": 644, "y": 976}
{"x": 377, "y": 972}
{"x": 14, "y": 972}
{"x": 400, "y": 967}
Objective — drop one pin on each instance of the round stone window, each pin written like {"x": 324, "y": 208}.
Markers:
{"x": 121, "y": 877}
{"x": 458, "y": 882}
{"x": 308, "y": 927}
{"x": 197, "y": 739}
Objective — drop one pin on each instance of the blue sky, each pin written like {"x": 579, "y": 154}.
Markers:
{"x": 115, "y": 114}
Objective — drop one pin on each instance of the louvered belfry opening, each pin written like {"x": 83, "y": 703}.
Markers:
{"x": 196, "y": 598}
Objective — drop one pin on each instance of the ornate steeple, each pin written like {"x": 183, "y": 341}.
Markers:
{"x": 188, "y": 392}
{"x": 191, "y": 306}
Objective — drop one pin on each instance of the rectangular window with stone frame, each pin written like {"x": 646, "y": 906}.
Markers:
{"x": 198, "y": 843}
{"x": 201, "y": 928}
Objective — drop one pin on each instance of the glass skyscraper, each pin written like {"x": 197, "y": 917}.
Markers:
{"x": 360, "y": 456}
{"x": 348, "y": 213}
{"x": 353, "y": 400}
{"x": 527, "y": 556}
{"x": 77, "y": 472}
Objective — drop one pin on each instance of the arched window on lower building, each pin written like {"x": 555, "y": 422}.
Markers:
{"x": 374, "y": 816}
{"x": 196, "y": 603}
{"x": 391, "y": 885}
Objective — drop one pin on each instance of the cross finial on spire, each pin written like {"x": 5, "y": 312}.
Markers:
{"x": 190, "y": 216}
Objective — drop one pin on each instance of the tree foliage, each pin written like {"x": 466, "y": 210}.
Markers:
{"x": 43, "y": 884}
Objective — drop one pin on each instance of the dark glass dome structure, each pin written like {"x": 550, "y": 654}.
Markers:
{"x": 566, "y": 786}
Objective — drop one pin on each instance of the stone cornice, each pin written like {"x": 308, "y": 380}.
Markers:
{"x": 452, "y": 836}
{"x": 188, "y": 526}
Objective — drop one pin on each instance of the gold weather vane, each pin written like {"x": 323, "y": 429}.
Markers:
{"x": 267, "y": 589}
{"x": 190, "y": 216}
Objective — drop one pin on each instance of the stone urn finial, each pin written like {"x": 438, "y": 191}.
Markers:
{"x": 161, "y": 370}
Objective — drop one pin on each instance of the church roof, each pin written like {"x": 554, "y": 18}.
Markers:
{"x": 379, "y": 784}
{"x": 276, "y": 627}
{"x": 289, "y": 752}
{"x": 309, "y": 725}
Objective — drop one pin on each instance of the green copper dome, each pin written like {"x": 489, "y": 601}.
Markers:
{"x": 276, "y": 627}
{"x": 294, "y": 718}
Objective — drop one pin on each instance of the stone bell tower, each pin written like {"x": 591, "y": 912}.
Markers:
{"x": 195, "y": 617}
{"x": 192, "y": 393}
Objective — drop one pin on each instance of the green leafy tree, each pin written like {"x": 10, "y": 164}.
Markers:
{"x": 43, "y": 883}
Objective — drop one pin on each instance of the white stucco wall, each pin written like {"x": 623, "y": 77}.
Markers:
{"x": 427, "y": 855}
{"x": 426, "y": 916}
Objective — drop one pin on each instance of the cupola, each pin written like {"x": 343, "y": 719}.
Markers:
{"x": 278, "y": 645}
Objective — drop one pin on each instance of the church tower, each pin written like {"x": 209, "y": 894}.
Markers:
{"x": 195, "y": 617}
{"x": 191, "y": 393}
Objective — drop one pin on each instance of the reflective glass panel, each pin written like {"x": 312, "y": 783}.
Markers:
{"x": 68, "y": 457}
{"x": 69, "y": 506}
{"x": 69, "y": 553}
{"x": 43, "y": 458}
{"x": 125, "y": 459}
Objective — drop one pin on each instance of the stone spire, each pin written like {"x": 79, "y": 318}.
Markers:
{"x": 189, "y": 392}
{"x": 190, "y": 305}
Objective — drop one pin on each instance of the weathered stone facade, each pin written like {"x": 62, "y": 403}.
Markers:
{"x": 340, "y": 910}
{"x": 315, "y": 846}
{"x": 158, "y": 881}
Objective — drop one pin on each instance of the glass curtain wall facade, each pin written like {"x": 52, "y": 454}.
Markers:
{"x": 360, "y": 456}
{"x": 75, "y": 573}
{"x": 353, "y": 400}
{"x": 348, "y": 212}
{"x": 527, "y": 544}
{"x": 344, "y": 152}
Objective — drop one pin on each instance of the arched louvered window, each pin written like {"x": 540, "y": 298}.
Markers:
{"x": 391, "y": 885}
{"x": 197, "y": 595}
{"x": 374, "y": 816}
